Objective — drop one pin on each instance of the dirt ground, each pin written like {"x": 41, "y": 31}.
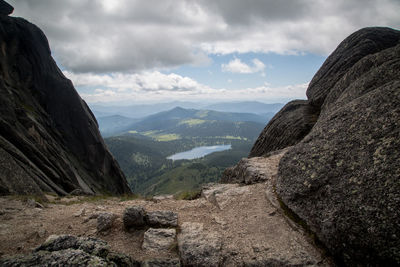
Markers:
{"x": 251, "y": 228}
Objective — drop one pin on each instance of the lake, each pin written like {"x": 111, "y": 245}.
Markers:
{"x": 199, "y": 152}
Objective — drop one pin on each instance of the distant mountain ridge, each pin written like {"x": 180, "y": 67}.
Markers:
{"x": 144, "y": 110}
{"x": 114, "y": 124}
{"x": 192, "y": 122}
{"x": 246, "y": 107}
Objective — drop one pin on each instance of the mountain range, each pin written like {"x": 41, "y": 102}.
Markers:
{"x": 186, "y": 122}
{"x": 142, "y": 110}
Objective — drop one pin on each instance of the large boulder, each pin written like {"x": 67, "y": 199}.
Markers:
{"x": 286, "y": 128}
{"x": 364, "y": 42}
{"x": 295, "y": 120}
{"x": 342, "y": 179}
{"x": 49, "y": 138}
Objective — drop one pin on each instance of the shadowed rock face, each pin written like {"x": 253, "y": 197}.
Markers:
{"x": 286, "y": 128}
{"x": 343, "y": 177}
{"x": 49, "y": 139}
{"x": 362, "y": 43}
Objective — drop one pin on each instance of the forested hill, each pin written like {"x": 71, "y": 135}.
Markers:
{"x": 179, "y": 122}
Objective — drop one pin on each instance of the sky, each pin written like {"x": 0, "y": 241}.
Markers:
{"x": 142, "y": 51}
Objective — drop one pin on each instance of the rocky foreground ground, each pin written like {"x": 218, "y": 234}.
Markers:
{"x": 229, "y": 225}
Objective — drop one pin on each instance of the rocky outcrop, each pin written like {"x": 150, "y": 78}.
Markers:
{"x": 342, "y": 177}
{"x": 254, "y": 170}
{"x": 67, "y": 250}
{"x": 358, "y": 45}
{"x": 49, "y": 139}
{"x": 286, "y": 128}
{"x": 295, "y": 120}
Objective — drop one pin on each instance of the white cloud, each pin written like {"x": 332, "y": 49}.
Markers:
{"x": 135, "y": 35}
{"x": 156, "y": 86}
{"x": 140, "y": 82}
{"x": 237, "y": 66}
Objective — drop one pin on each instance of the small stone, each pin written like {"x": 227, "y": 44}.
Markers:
{"x": 219, "y": 220}
{"x": 80, "y": 213}
{"x": 42, "y": 233}
{"x": 162, "y": 218}
{"x": 162, "y": 197}
{"x": 105, "y": 221}
{"x": 134, "y": 217}
{"x": 159, "y": 239}
{"x": 34, "y": 204}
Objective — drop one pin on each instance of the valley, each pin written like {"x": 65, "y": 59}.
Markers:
{"x": 142, "y": 147}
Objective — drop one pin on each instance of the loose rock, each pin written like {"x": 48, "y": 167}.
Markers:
{"x": 105, "y": 221}
{"x": 221, "y": 194}
{"x": 68, "y": 250}
{"x": 162, "y": 218}
{"x": 80, "y": 212}
{"x": 159, "y": 239}
{"x": 134, "y": 217}
{"x": 34, "y": 204}
{"x": 198, "y": 247}
{"x": 162, "y": 197}
{"x": 254, "y": 170}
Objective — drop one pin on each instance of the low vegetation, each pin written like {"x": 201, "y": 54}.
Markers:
{"x": 142, "y": 150}
{"x": 149, "y": 172}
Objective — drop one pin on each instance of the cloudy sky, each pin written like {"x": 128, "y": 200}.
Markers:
{"x": 199, "y": 50}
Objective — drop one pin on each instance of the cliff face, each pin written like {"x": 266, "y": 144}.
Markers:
{"x": 49, "y": 139}
{"x": 341, "y": 175}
